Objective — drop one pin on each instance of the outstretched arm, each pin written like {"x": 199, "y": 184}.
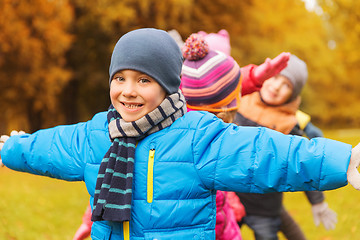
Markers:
{"x": 60, "y": 152}
{"x": 254, "y": 76}
{"x": 271, "y": 67}
{"x": 262, "y": 160}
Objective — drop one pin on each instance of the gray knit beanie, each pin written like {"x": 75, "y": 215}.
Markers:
{"x": 296, "y": 71}
{"x": 150, "y": 51}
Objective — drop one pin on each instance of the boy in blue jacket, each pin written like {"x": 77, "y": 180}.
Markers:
{"x": 151, "y": 170}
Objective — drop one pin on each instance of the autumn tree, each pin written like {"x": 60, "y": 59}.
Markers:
{"x": 32, "y": 58}
{"x": 343, "y": 18}
{"x": 63, "y": 50}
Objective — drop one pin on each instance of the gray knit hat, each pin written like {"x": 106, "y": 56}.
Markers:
{"x": 150, "y": 51}
{"x": 296, "y": 71}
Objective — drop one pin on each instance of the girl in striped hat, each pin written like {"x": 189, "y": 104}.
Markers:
{"x": 211, "y": 81}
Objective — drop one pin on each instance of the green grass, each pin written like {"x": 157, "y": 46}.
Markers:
{"x": 33, "y": 207}
{"x": 41, "y": 208}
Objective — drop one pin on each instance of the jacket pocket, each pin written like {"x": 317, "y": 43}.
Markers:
{"x": 150, "y": 176}
{"x": 178, "y": 234}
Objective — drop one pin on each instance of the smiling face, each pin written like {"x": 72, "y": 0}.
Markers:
{"x": 276, "y": 90}
{"x": 135, "y": 94}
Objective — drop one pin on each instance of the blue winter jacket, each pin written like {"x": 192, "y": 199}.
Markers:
{"x": 178, "y": 169}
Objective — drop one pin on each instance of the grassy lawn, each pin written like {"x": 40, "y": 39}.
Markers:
{"x": 41, "y": 208}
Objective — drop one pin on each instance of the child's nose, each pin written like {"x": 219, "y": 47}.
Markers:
{"x": 129, "y": 90}
{"x": 277, "y": 84}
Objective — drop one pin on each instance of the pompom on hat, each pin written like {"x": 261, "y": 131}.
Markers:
{"x": 195, "y": 47}
{"x": 210, "y": 79}
{"x": 150, "y": 51}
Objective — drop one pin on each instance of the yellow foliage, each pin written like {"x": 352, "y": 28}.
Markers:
{"x": 34, "y": 42}
{"x": 53, "y": 48}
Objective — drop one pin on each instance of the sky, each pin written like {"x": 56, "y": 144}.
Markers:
{"x": 310, "y": 4}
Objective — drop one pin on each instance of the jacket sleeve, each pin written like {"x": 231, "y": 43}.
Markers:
{"x": 60, "y": 152}
{"x": 261, "y": 160}
{"x": 249, "y": 84}
{"x": 312, "y": 131}
{"x": 315, "y": 197}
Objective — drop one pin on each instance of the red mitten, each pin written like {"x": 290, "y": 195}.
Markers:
{"x": 270, "y": 67}
{"x": 84, "y": 230}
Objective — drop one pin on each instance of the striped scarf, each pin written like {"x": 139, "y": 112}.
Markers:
{"x": 112, "y": 200}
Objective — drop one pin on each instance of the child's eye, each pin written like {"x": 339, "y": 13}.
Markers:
{"x": 118, "y": 78}
{"x": 288, "y": 85}
{"x": 144, "y": 80}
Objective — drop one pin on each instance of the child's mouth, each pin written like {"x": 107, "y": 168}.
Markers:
{"x": 132, "y": 106}
{"x": 272, "y": 94}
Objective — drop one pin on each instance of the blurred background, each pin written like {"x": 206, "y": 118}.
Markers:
{"x": 55, "y": 54}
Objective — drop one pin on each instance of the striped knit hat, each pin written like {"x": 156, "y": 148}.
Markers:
{"x": 150, "y": 51}
{"x": 210, "y": 79}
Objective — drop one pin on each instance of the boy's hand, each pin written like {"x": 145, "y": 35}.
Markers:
{"x": 271, "y": 67}
{"x": 353, "y": 174}
{"x": 323, "y": 214}
{"x": 4, "y": 138}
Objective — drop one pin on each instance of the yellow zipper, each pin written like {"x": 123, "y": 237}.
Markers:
{"x": 126, "y": 229}
{"x": 150, "y": 176}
